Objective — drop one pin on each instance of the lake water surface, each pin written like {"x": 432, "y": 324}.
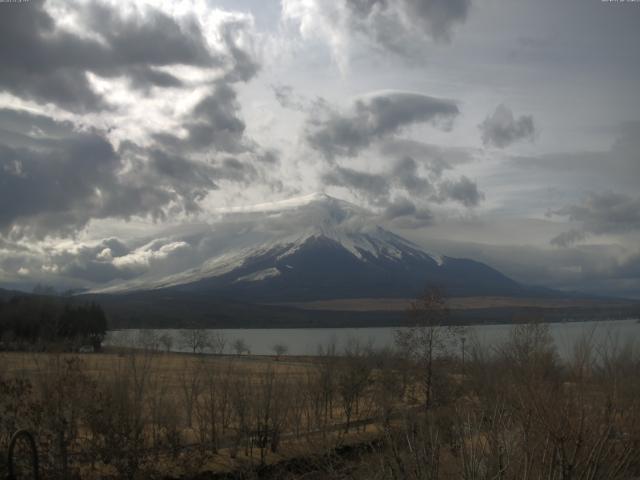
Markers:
{"x": 305, "y": 341}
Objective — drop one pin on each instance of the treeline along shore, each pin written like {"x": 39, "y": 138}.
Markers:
{"x": 29, "y": 322}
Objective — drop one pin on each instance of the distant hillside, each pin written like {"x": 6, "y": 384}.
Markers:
{"x": 164, "y": 309}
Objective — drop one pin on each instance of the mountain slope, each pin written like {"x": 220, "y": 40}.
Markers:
{"x": 322, "y": 248}
{"x": 321, "y": 267}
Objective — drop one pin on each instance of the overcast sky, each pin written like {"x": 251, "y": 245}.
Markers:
{"x": 504, "y": 131}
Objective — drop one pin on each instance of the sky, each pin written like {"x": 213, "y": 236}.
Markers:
{"x": 506, "y": 132}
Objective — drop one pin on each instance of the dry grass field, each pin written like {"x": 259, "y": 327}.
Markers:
{"x": 511, "y": 412}
{"x": 180, "y": 414}
{"x": 172, "y": 366}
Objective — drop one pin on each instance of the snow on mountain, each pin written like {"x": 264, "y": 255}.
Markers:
{"x": 318, "y": 246}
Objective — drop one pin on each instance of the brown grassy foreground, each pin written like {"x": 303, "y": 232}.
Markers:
{"x": 146, "y": 414}
{"x": 514, "y": 412}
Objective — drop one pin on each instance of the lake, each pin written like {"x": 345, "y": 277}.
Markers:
{"x": 305, "y": 341}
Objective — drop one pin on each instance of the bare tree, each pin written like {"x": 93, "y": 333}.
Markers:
{"x": 427, "y": 335}
{"x": 191, "y": 384}
{"x": 218, "y": 343}
{"x": 195, "y": 339}
{"x": 280, "y": 349}
{"x": 117, "y": 416}
{"x": 240, "y": 346}
{"x": 148, "y": 340}
{"x": 269, "y": 410}
{"x": 354, "y": 376}
{"x": 166, "y": 341}
{"x": 325, "y": 383}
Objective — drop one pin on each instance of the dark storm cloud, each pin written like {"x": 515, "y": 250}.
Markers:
{"x": 192, "y": 180}
{"x": 213, "y": 124}
{"x": 143, "y": 78}
{"x": 54, "y": 179}
{"x": 334, "y": 133}
{"x": 19, "y": 127}
{"x": 600, "y": 213}
{"x": 462, "y": 190}
{"x": 501, "y": 128}
{"x": 147, "y": 38}
{"x": 42, "y": 62}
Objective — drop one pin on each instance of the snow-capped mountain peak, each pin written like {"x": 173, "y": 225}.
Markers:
{"x": 315, "y": 246}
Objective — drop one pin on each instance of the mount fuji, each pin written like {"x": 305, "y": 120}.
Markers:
{"x": 317, "y": 248}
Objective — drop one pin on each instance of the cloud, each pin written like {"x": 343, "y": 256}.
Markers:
{"x": 404, "y": 178}
{"x": 47, "y": 63}
{"x": 600, "y": 213}
{"x": 502, "y": 129}
{"x": 629, "y": 268}
{"x": 141, "y": 259}
{"x": 400, "y": 27}
{"x": 585, "y": 170}
{"x": 403, "y": 213}
{"x": 287, "y": 98}
{"x": 405, "y": 174}
{"x": 56, "y": 178}
{"x": 589, "y": 269}
{"x": 214, "y": 123}
{"x": 111, "y": 259}
{"x": 462, "y": 190}
{"x": 435, "y": 158}
{"x": 93, "y": 263}
{"x": 238, "y": 37}
{"x": 399, "y": 208}
{"x": 373, "y": 117}
{"x": 371, "y": 185}
{"x": 568, "y": 238}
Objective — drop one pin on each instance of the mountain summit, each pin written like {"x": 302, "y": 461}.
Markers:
{"x": 318, "y": 247}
